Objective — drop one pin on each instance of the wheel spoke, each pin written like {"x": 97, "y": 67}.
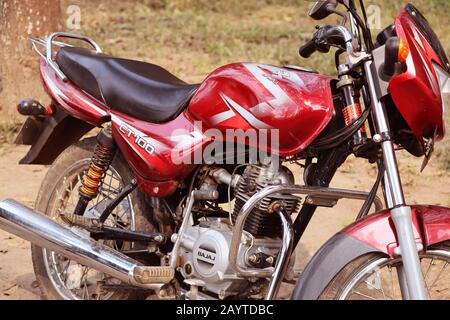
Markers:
{"x": 363, "y": 295}
{"x": 392, "y": 282}
{"x": 84, "y": 283}
{"x": 428, "y": 269}
{"x": 378, "y": 289}
{"x": 64, "y": 271}
{"x": 439, "y": 275}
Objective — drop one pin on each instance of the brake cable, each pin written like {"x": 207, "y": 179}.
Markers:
{"x": 366, "y": 32}
{"x": 373, "y": 193}
{"x": 341, "y": 135}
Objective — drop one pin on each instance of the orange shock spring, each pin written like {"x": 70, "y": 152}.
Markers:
{"x": 351, "y": 113}
{"x": 101, "y": 160}
{"x": 93, "y": 179}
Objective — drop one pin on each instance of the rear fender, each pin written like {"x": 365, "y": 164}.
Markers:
{"x": 376, "y": 233}
{"x": 50, "y": 136}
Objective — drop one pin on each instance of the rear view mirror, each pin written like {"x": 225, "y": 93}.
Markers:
{"x": 322, "y": 9}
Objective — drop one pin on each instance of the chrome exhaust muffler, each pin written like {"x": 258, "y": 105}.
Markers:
{"x": 44, "y": 232}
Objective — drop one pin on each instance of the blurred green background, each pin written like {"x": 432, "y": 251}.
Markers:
{"x": 191, "y": 38}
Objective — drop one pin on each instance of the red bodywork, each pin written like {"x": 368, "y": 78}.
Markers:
{"x": 255, "y": 96}
{"x": 156, "y": 171}
{"x": 238, "y": 96}
{"x": 431, "y": 226}
{"x": 416, "y": 92}
{"x": 71, "y": 99}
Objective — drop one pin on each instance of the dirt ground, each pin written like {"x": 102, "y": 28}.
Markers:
{"x": 17, "y": 280}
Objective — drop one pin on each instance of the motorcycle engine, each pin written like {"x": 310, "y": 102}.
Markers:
{"x": 263, "y": 221}
{"x": 205, "y": 247}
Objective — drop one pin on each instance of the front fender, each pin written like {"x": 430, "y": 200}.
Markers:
{"x": 375, "y": 233}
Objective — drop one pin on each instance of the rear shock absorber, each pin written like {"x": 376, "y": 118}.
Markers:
{"x": 352, "y": 111}
{"x": 101, "y": 160}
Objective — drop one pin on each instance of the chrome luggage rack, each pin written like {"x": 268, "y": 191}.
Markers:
{"x": 51, "y": 41}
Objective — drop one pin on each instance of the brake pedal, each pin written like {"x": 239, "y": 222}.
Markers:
{"x": 149, "y": 275}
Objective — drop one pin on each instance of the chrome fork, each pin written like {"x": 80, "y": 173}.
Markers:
{"x": 413, "y": 282}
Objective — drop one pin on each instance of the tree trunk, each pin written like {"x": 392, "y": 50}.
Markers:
{"x": 19, "y": 73}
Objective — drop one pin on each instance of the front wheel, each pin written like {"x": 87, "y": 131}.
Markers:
{"x": 375, "y": 277}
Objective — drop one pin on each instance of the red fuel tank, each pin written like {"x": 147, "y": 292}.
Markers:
{"x": 242, "y": 96}
{"x": 256, "y": 96}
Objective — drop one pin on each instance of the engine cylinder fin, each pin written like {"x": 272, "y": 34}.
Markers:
{"x": 261, "y": 222}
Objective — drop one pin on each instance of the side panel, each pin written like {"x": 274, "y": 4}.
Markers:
{"x": 256, "y": 96}
{"x": 376, "y": 233}
{"x": 161, "y": 155}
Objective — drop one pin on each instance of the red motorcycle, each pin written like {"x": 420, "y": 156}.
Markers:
{"x": 183, "y": 192}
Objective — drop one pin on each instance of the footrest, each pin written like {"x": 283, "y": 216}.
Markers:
{"x": 149, "y": 275}
{"x": 81, "y": 221}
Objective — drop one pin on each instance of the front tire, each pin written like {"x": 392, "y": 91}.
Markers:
{"x": 58, "y": 277}
{"x": 374, "y": 277}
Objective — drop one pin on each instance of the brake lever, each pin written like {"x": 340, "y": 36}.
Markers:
{"x": 322, "y": 44}
{"x": 325, "y": 37}
{"x": 336, "y": 36}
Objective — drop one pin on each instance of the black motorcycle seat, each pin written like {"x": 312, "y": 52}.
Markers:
{"x": 142, "y": 90}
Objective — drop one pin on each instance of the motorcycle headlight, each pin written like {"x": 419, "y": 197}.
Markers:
{"x": 444, "y": 83}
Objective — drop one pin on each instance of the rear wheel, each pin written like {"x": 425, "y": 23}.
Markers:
{"x": 375, "y": 277}
{"x": 63, "y": 278}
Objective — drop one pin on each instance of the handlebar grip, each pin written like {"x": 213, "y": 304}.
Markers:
{"x": 308, "y": 49}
